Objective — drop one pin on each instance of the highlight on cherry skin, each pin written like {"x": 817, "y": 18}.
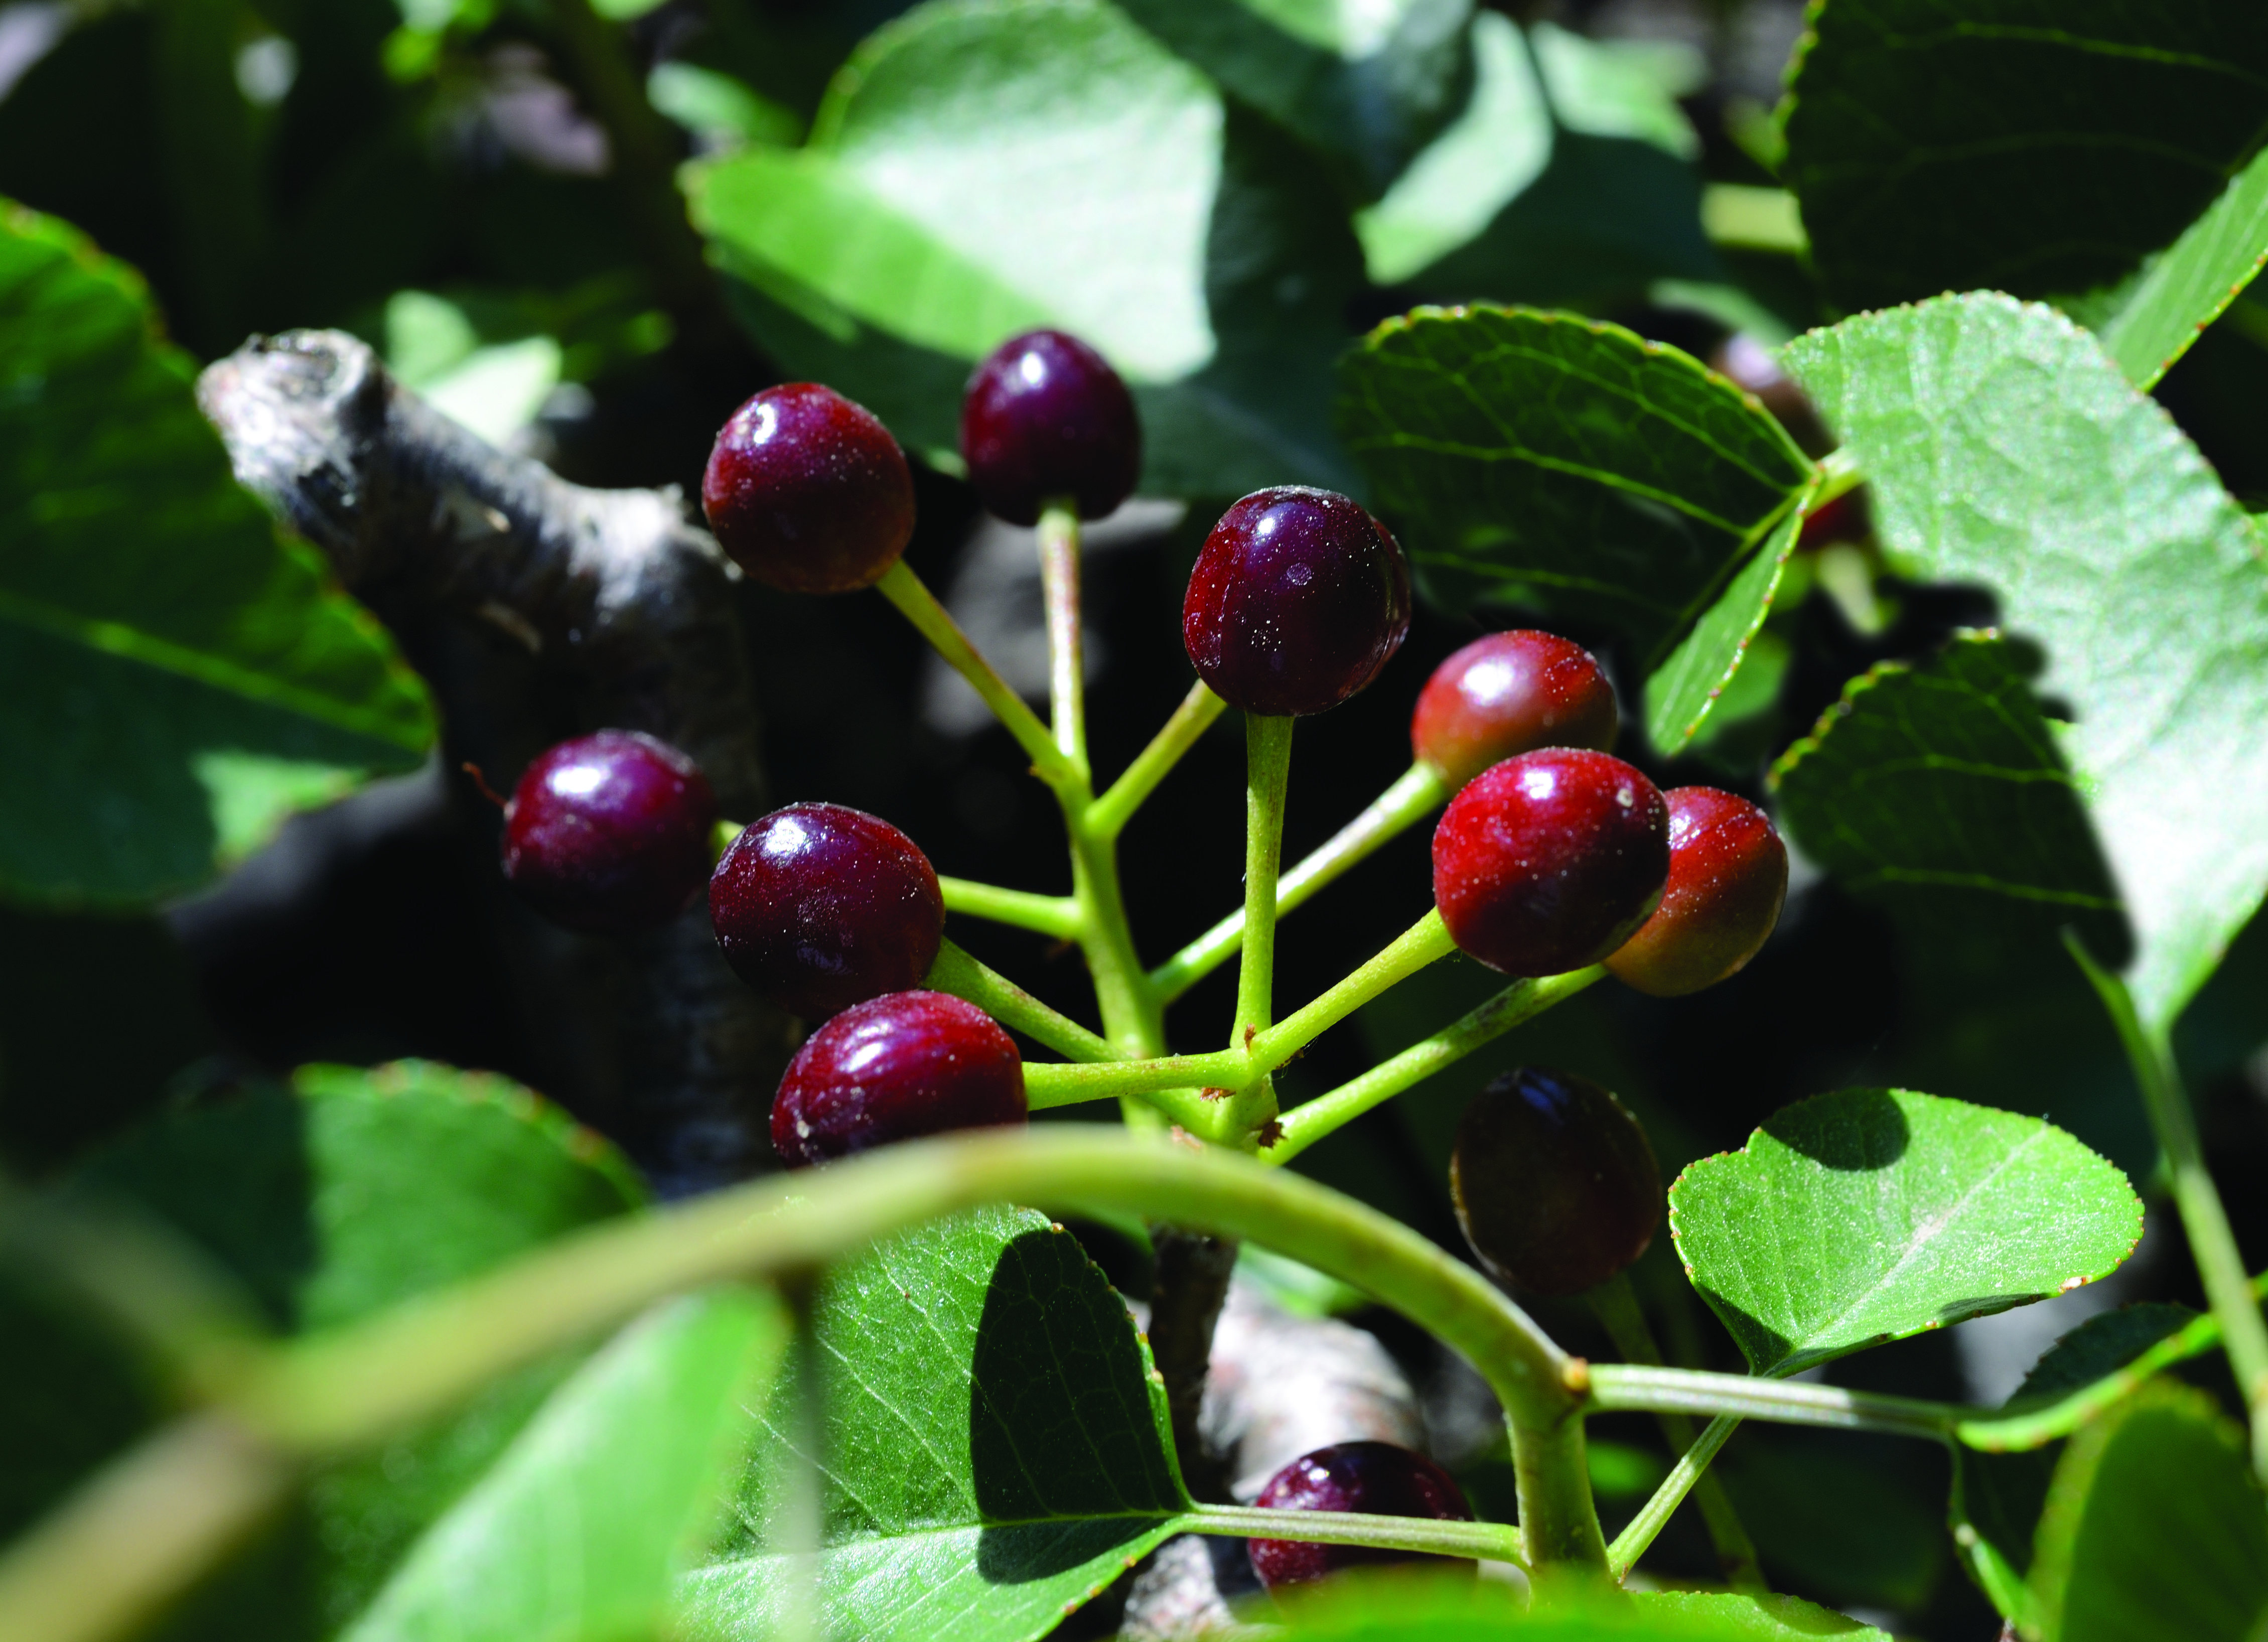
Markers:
{"x": 819, "y": 907}
{"x": 1554, "y": 1182}
{"x": 1044, "y": 419}
{"x": 1549, "y": 861}
{"x": 896, "y": 1068}
{"x": 1297, "y": 599}
{"x": 608, "y": 834}
{"x": 1377, "y": 1478}
{"x": 807, "y": 491}
{"x": 1508, "y": 694}
{"x": 1727, "y": 882}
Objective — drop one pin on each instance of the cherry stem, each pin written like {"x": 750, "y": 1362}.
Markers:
{"x": 1415, "y": 793}
{"x": 721, "y": 836}
{"x": 1327, "y": 1114}
{"x": 1268, "y": 760}
{"x": 1497, "y": 1541}
{"x": 1636, "y": 1386}
{"x": 1059, "y": 581}
{"x": 1046, "y": 915}
{"x": 1839, "y": 474}
{"x": 966, "y": 978}
{"x": 1108, "y": 815}
{"x": 1690, "y": 1471}
{"x": 1625, "y": 1319}
{"x": 2205, "y": 1222}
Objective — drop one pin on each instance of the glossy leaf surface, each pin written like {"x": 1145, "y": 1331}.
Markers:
{"x": 1547, "y": 460}
{"x": 2002, "y": 448}
{"x": 1684, "y": 690}
{"x": 174, "y": 680}
{"x": 1868, "y": 1215}
{"x": 2026, "y": 145}
{"x": 995, "y": 1446}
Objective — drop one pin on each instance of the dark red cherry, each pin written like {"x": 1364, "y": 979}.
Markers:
{"x": 1377, "y": 1478}
{"x": 1509, "y": 694}
{"x": 1046, "y": 417}
{"x": 608, "y": 834}
{"x": 1549, "y": 861}
{"x": 1297, "y": 599}
{"x": 808, "y": 491}
{"x": 820, "y": 906}
{"x": 1728, "y": 879}
{"x": 896, "y": 1068}
{"x": 1555, "y": 1186}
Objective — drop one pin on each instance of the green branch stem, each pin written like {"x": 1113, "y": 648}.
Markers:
{"x": 1000, "y": 998}
{"x": 919, "y": 605}
{"x": 1108, "y": 815}
{"x": 1424, "y": 942}
{"x": 1059, "y": 581}
{"x": 1636, "y": 1386}
{"x": 1692, "y": 1467}
{"x": 1045, "y": 915}
{"x": 1497, "y": 1541}
{"x": 2213, "y": 1245}
{"x": 1415, "y": 794}
{"x": 1251, "y": 1105}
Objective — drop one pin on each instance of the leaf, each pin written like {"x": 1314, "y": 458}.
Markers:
{"x": 982, "y": 166}
{"x": 1766, "y": 1618}
{"x": 1685, "y": 689}
{"x": 1994, "y": 1511}
{"x": 1407, "y": 1606}
{"x": 997, "y": 1445}
{"x": 1868, "y": 1215}
{"x": 2199, "y": 275}
{"x": 579, "y": 1531}
{"x": 1834, "y": 1514}
{"x": 162, "y": 655}
{"x": 2013, "y": 144}
{"x": 1367, "y": 83}
{"x": 2002, "y": 448}
{"x": 2153, "y": 1528}
{"x": 1553, "y": 461}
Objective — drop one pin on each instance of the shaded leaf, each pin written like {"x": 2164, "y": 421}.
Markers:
{"x": 1408, "y": 1606}
{"x": 1835, "y": 1516}
{"x": 2200, "y": 275}
{"x": 2029, "y": 146}
{"x": 1563, "y": 463}
{"x": 579, "y": 1529}
{"x": 1685, "y": 689}
{"x": 2002, "y": 448}
{"x": 2153, "y": 1528}
{"x": 996, "y": 1448}
{"x": 173, "y": 680}
{"x": 1868, "y": 1215}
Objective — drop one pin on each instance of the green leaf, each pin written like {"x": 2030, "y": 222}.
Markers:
{"x": 1836, "y": 1515}
{"x": 176, "y": 678}
{"x": 1555, "y": 461}
{"x": 2199, "y": 275}
{"x": 1685, "y": 689}
{"x": 2153, "y": 1528}
{"x": 1626, "y": 88}
{"x": 1868, "y": 1215}
{"x": 577, "y": 1533}
{"x": 1405, "y": 1606}
{"x": 1766, "y": 1619}
{"x": 1945, "y": 778}
{"x": 996, "y": 1448}
{"x": 1368, "y": 84}
{"x": 2034, "y": 149}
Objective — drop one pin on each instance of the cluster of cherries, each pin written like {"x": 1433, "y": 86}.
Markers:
{"x": 1553, "y": 856}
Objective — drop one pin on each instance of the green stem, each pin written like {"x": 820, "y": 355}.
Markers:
{"x": 1327, "y": 1114}
{"x": 1268, "y": 761}
{"x": 1692, "y": 1467}
{"x": 1558, "y": 1521}
{"x": 721, "y": 836}
{"x": 1048, "y": 915}
{"x": 1424, "y": 942}
{"x": 1625, "y": 1323}
{"x": 1110, "y": 812}
{"x": 2212, "y": 1244}
{"x": 1694, "y": 1391}
{"x": 1417, "y": 791}
{"x": 904, "y": 589}
{"x": 1066, "y": 661}
{"x": 1498, "y": 1541}
{"x": 1063, "y": 1085}
{"x": 1839, "y": 474}
{"x": 962, "y": 976}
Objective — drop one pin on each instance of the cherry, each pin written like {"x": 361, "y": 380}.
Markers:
{"x": 1509, "y": 694}
{"x": 1549, "y": 861}
{"x": 1556, "y": 1187}
{"x": 1380, "y": 1478}
{"x": 819, "y": 907}
{"x": 1297, "y": 599}
{"x": 1728, "y": 879}
{"x": 896, "y": 1068}
{"x": 807, "y": 491}
{"x": 1045, "y": 417}
{"x": 608, "y": 834}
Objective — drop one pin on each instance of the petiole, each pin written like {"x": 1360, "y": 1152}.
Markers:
{"x": 1047, "y": 914}
{"x": 962, "y": 976}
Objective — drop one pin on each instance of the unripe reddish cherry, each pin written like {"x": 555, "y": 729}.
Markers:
{"x": 1509, "y": 694}
{"x": 807, "y": 491}
{"x": 608, "y": 834}
{"x": 1549, "y": 861}
{"x": 896, "y": 1068}
{"x": 1554, "y": 1184}
{"x": 1377, "y": 1478}
{"x": 1297, "y": 599}
{"x": 819, "y": 907}
{"x": 1728, "y": 879}
{"x": 1046, "y": 417}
